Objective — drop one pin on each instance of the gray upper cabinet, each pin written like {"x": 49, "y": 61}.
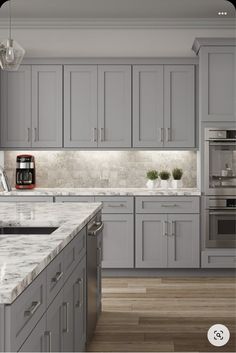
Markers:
{"x": 16, "y": 108}
{"x": 80, "y": 106}
{"x": 179, "y": 106}
{"x": 217, "y": 84}
{"x": 47, "y": 105}
{"x": 164, "y": 106}
{"x": 31, "y": 107}
{"x": 114, "y": 106}
{"x": 148, "y": 106}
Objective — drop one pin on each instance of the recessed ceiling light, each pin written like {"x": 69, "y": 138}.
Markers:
{"x": 222, "y": 13}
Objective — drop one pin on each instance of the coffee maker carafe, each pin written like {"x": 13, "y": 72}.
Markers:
{"x": 25, "y": 171}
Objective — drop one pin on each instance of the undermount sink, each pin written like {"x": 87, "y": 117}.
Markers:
{"x": 27, "y": 230}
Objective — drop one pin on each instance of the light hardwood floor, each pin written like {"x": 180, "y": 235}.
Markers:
{"x": 164, "y": 314}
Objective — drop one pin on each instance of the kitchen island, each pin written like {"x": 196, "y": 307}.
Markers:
{"x": 39, "y": 273}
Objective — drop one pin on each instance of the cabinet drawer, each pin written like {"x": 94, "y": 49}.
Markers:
{"x": 26, "y": 198}
{"x": 74, "y": 199}
{"x": 116, "y": 204}
{"x": 55, "y": 277}
{"x": 26, "y": 311}
{"x": 155, "y": 204}
{"x": 74, "y": 252}
{"x": 222, "y": 258}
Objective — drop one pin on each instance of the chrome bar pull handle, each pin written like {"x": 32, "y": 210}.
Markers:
{"x": 49, "y": 335}
{"x": 165, "y": 228}
{"x": 66, "y": 307}
{"x": 57, "y": 277}
{"x": 28, "y": 130}
{"x": 34, "y": 306}
{"x": 79, "y": 301}
{"x": 173, "y": 228}
{"x": 161, "y": 134}
{"x": 35, "y": 134}
{"x": 168, "y": 135}
{"x": 95, "y": 134}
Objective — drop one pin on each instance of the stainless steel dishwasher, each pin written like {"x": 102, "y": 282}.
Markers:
{"x": 94, "y": 259}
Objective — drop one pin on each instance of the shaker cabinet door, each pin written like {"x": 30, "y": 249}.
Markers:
{"x": 183, "y": 241}
{"x": 16, "y": 107}
{"x": 148, "y": 106}
{"x": 151, "y": 240}
{"x": 80, "y": 106}
{"x": 74, "y": 310}
{"x": 118, "y": 241}
{"x": 218, "y": 84}
{"x": 179, "y": 106}
{"x": 36, "y": 342}
{"x": 54, "y": 325}
{"x": 114, "y": 106}
{"x": 46, "y": 106}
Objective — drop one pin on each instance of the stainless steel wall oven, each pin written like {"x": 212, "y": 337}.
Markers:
{"x": 220, "y": 221}
{"x": 220, "y": 161}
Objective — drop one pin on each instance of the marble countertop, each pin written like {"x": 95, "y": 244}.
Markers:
{"x": 23, "y": 257}
{"x": 103, "y": 191}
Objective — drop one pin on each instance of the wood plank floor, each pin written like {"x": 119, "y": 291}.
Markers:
{"x": 164, "y": 314}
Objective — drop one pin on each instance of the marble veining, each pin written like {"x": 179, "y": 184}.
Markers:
{"x": 23, "y": 257}
{"x": 103, "y": 191}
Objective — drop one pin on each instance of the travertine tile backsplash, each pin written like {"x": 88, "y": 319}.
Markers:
{"x": 103, "y": 168}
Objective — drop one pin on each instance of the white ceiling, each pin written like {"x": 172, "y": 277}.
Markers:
{"x": 146, "y": 9}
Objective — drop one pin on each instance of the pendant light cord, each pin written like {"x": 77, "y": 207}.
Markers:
{"x": 9, "y": 19}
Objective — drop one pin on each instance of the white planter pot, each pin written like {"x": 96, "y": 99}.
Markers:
{"x": 176, "y": 184}
{"x": 151, "y": 184}
{"x": 164, "y": 184}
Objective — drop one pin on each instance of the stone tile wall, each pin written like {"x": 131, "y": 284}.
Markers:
{"x": 103, "y": 168}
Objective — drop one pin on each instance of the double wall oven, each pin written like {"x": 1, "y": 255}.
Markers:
{"x": 220, "y": 188}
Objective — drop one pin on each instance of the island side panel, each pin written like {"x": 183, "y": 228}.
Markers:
{"x": 2, "y": 328}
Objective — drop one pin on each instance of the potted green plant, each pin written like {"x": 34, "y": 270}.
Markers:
{"x": 152, "y": 176}
{"x": 177, "y": 174}
{"x": 165, "y": 176}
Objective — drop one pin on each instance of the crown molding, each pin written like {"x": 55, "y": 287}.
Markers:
{"x": 167, "y": 23}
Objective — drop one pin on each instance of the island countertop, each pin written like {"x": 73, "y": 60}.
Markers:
{"x": 23, "y": 257}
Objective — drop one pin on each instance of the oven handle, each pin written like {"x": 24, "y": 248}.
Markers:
{"x": 218, "y": 213}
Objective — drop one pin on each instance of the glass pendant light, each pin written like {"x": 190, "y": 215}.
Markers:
{"x": 11, "y": 53}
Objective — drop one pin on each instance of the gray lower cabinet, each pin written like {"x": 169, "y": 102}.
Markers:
{"x": 114, "y": 106}
{"x": 118, "y": 241}
{"x": 74, "y": 310}
{"x": 151, "y": 241}
{"x": 22, "y": 198}
{"x": 218, "y": 258}
{"x": 164, "y": 106}
{"x": 53, "y": 333}
{"x": 16, "y": 107}
{"x": 167, "y": 241}
{"x": 46, "y": 106}
{"x": 217, "y": 83}
{"x": 80, "y": 105}
{"x": 40, "y": 320}
{"x": 36, "y": 341}
{"x": 183, "y": 241}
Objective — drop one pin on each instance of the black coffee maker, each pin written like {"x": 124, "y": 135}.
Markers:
{"x": 25, "y": 171}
